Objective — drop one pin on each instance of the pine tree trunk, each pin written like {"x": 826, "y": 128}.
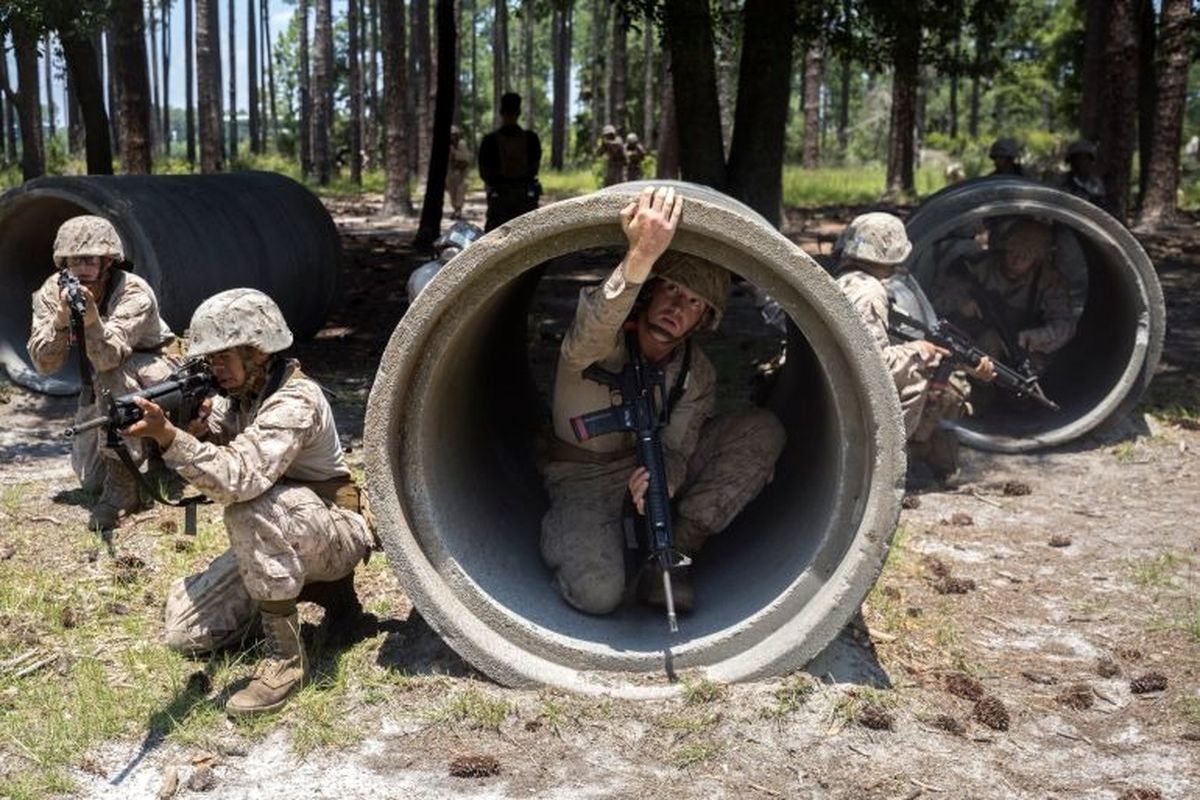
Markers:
{"x": 156, "y": 131}
{"x": 905, "y": 64}
{"x": 10, "y": 112}
{"x": 372, "y": 128}
{"x": 396, "y": 198}
{"x": 619, "y": 70}
{"x": 114, "y": 104}
{"x": 356, "y": 95}
{"x": 843, "y": 124}
{"x": 500, "y": 82}
{"x": 166, "y": 79}
{"x": 599, "y": 62}
{"x": 527, "y": 15}
{"x": 273, "y": 108}
{"x": 304, "y": 85}
{"x": 424, "y": 87}
{"x": 755, "y": 174}
{"x": 1162, "y": 182}
{"x": 648, "y": 83}
{"x": 29, "y": 117}
{"x": 561, "y": 31}
{"x": 81, "y": 57}
{"x": 1147, "y": 91}
{"x": 697, "y": 109}
{"x": 435, "y": 183}
{"x": 1118, "y": 121}
{"x": 134, "y": 87}
{"x": 189, "y": 81}
{"x": 725, "y": 42}
{"x": 208, "y": 87}
{"x": 322, "y": 91}
{"x": 252, "y": 77}
{"x": 1091, "y": 109}
{"x": 668, "y": 134}
{"x": 49, "y": 68}
{"x": 814, "y": 68}
{"x": 233, "y": 123}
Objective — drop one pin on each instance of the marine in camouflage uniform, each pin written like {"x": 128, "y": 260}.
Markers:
{"x": 1005, "y": 154}
{"x": 270, "y": 453}
{"x": 613, "y": 151}
{"x": 635, "y": 154}
{"x": 456, "y": 174}
{"x": 1012, "y": 299}
{"x": 715, "y": 464}
{"x": 127, "y": 347}
{"x": 872, "y": 247}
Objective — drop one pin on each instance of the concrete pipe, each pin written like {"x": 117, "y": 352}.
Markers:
{"x": 1102, "y": 372}
{"x": 453, "y": 482}
{"x": 189, "y": 236}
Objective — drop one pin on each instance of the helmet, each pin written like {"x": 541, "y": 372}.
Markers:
{"x": 631, "y": 138}
{"x": 1027, "y": 237}
{"x": 1081, "y": 148}
{"x": 876, "y": 238}
{"x": 235, "y": 318}
{"x": 87, "y": 235}
{"x": 455, "y": 130}
{"x": 1005, "y": 148}
{"x": 697, "y": 275}
{"x": 608, "y": 130}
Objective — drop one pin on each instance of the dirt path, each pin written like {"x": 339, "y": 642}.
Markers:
{"x": 1019, "y": 612}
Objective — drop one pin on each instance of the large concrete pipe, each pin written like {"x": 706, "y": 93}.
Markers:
{"x": 189, "y": 236}
{"x": 1101, "y": 373}
{"x": 453, "y": 483}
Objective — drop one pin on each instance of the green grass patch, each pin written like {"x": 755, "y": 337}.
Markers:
{"x": 703, "y": 691}
{"x": 1155, "y": 572}
{"x": 850, "y": 705}
{"x": 694, "y": 752}
{"x": 848, "y": 185}
{"x": 568, "y": 183}
{"x": 789, "y": 696}
{"x": 474, "y": 709}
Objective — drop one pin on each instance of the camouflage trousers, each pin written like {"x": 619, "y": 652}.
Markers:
{"x": 925, "y": 408}
{"x": 279, "y": 541}
{"x": 456, "y": 185}
{"x": 583, "y": 540}
{"x": 90, "y": 459}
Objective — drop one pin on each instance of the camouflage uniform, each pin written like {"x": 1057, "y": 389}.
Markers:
{"x": 456, "y": 175}
{"x": 613, "y": 152}
{"x": 716, "y": 465}
{"x": 635, "y": 154}
{"x": 126, "y": 351}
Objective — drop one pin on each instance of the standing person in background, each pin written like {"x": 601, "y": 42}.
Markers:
{"x": 456, "y": 176}
{"x": 509, "y": 159}
{"x": 1082, "y": 178}
{"x": 635, "y": 154}
{"x": 613, "y": 152}
{"x": 1005, "y": 154}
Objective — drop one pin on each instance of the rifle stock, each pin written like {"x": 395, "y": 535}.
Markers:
{"x": 179, "y": 396}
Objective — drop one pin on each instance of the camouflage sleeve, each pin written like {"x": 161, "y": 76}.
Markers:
{"x": 596, "y": 329}
{"x": 1058, "y": 323}
{"x": 869, "y": 299}
{"x": 48, "y": 344}
{"x": 254, "y": 460}
{"x": 681, "y": 436}
{"x": 111, "y": 340}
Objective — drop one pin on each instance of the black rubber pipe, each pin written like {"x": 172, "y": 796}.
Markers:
{"x": 189, "y": 236}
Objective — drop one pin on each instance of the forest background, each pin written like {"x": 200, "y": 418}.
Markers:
{"x": 836, "y": 101}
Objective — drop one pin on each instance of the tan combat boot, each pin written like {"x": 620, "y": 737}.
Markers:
{"x": 283, "y": 671}
{"x": 119, "y": 495}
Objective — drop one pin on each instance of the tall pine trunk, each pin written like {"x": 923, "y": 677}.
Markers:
{"x": 189, "y": 82}
{"x": 208, "y": 87}
{"x": 422, "y": 88}
{"x": 1147, "y": 91}
{"x": 1091, "y": 109}
{"x": 755, "y": 174}
{"x": 1162, "y": 181}
{"x": 114, "y": 104}
{"x": 304, "y": 86}
{"x": 47, "y": 62}
{"x": 371, "y": 129}
{"x": 693, "y": 73}
{"x": 500, "y": 82}
{"x": 252, "y": 68}
{"x": 648, "y": 83}
{"x": 618, "y": 70}
{"x": 233, "y": 122}
{"x": 29, "y": 117}
{"x": 906, "y": 59}
{"x": 166, "y": 78}
{"x": 156, "y": 130}
{"x": 356, "y": 96}
{"x": 599, "y": 67}
{"x": 81, "y": 58}
{"x": 561, "y": 35}
{"x": 1118, "y": 120}
{"x": 322, "y": 91}
{"x": 10, "y": 111}
{"x": 435, "y": 183}
{"x": 396, "y": 197}
{"x": 134, "y": 87}
{"x": 274, "y": 109}
{"x": 527, "y": 14}
{"x": 668, "y": 133}
{"x": 814, "y": 68}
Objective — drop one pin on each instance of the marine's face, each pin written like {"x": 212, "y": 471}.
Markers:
{"x": 673, "y": 312}
{"x": 228, "y": 368}
{"x": 1018, "y": 265}
{"x": 90, "y": 270}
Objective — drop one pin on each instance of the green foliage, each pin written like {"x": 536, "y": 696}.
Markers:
{"x": 848, "y": 185}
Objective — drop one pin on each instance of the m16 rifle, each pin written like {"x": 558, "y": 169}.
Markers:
{"x": 1022, "y": 381}
{"x": 69, "y": 283}
{"x": 644, "y": 411}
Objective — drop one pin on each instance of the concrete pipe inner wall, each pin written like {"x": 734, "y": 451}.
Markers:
{"x": 1102, "y": 372}
{"x": 189, "y": 236}
{"x": 453, "y": 483}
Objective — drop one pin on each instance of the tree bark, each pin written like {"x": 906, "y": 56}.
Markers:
{"x": 189, "y": 81}
{"x": 10, "y": 112}
{"x": 1162, "y": 181}
{"x": 619, "y": 70}
{"x": 165, "y": 106}
{"x": 272, "y": 108}
{"x": 304, "y": 86}
{"x": 49, "y": 69}
{"x": 527, "y": 14}
{"x": 29, "y": 117}
{"x": 435, "y": 184}
{"x": 356, "y": 94}
{"x": 134, "y": 86}
{"x": 81, "y": 58}
{"x": 500, "y": 83}
{"x": 371, "y": 132}
{"x": 252, "y": 65}
{"x": 648, "y": 83}
{"x": 425, "y": 88}
{"x": 668, "y": 134}
{"x": 1147, "y": 91}
{"x": 322, "y": 91}
{"x": 814, "y": 68}
{"x": 906, "y": 59}
{"x": 697, "y": 109}
{"x": 396, "y": 198}
{"x": 561, "y": 30}
{"x": 156, "y": 130}
{"x": 599, "y": 63}
{"x": 1091, "y": 108}
{"x": 843, "y": 125}
{"x": 208, "y": 87}
{"x": 1118, "y": 120}
{"x": 114, "y": 105}
{"x": 755, "y": 174}
{"x": 233, "y": 123}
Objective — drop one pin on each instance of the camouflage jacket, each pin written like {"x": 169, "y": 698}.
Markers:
{"x": 255, "y": 443}
{"x": 596, "y": 336}
{"x": 129, "y": 322}
{"x": 870, "y": 299}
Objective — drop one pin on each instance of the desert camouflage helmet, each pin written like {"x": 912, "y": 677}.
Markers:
{"x": 875, "y": 238}
{"x": 87, "y": 235}
{"x": 1081, "y": 148}
{"x": 236, "y": 318}
{"x": 631, "y": 138}
{"x": 1027, "y": 237}
{"x": 1005, "y": 148}
{"x": 697, "y": 275}
{"x": 608, "y": 130}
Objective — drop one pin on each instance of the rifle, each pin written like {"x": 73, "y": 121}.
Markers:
{"x": 179, "y": 395}
{"x": 69, "y": 283}
{"x": 1022, "y": 381}
{"x": 644, "y": 411}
